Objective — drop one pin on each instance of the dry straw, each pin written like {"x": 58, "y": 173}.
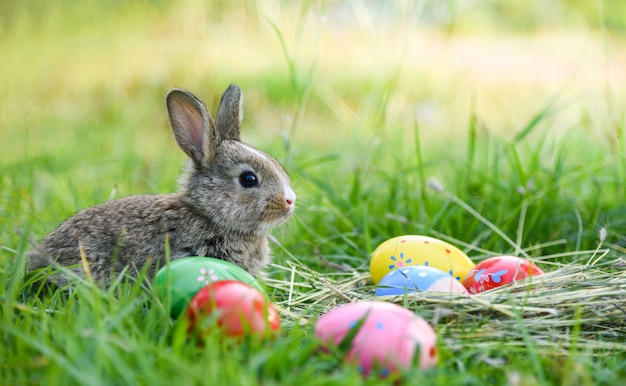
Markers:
{"x": 577, "y": 307}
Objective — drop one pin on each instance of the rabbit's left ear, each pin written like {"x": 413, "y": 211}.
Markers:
{"x": 192, "y": 125}
{"x": 230, "y": 113}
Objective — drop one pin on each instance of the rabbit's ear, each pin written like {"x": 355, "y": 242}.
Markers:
{"x": 193, "y": 127}
{"x": 230, "y": 113}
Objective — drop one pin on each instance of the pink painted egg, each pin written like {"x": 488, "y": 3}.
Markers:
{"x": 388, "y": 337}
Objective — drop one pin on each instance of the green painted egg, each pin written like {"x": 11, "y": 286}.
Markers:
{"x": 177, "y": 283}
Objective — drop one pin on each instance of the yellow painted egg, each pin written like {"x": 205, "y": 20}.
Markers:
{"x": 408, "y": 250}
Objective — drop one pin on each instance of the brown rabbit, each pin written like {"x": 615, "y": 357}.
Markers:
{"x": 231, "y": 196}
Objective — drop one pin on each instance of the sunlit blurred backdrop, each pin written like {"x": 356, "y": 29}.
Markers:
{"x": 83, "y": 82}
{"x": 318, "y": 65}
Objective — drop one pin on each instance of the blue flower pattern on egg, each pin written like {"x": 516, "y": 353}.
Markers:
{"x": 399, "y": 262}
{"x": 496, "y": 277}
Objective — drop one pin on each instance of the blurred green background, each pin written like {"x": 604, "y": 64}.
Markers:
{"x": 82, "y": 110}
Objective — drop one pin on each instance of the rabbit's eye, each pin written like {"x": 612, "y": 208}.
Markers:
{"x": 248, "y": 180}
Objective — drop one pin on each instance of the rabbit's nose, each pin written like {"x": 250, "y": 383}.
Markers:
{"x": 290, "y": 196}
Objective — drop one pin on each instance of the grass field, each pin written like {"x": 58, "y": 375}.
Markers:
{"x": 496, "y": 126}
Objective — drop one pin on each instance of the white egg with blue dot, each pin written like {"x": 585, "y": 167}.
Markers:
{"x": 418, "y": 278}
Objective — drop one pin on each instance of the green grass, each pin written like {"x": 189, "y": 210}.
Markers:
{"x": 500, "y": 132}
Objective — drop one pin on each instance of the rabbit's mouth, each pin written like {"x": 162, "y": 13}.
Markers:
{"x": 287, "y": 213}
{"x": 278, "y": 217}
{"x": 284, "y": 216}
{"x": 279, "y": 210}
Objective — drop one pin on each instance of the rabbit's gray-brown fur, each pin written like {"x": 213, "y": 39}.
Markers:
{"x": 230, "y": 197}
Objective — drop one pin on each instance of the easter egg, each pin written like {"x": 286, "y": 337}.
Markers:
{"x": 418, "y": 278}
{"x": 182, "y": 278}
{"x": 403, "y": 251}
{"x": 387, "y": 339}
{"x": 234, "y": 307}
{"x": 497, "y": 271}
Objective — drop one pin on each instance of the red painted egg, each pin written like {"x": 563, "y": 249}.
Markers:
{"x": 235, "y": 307}
{"x": 497, "y": 271}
